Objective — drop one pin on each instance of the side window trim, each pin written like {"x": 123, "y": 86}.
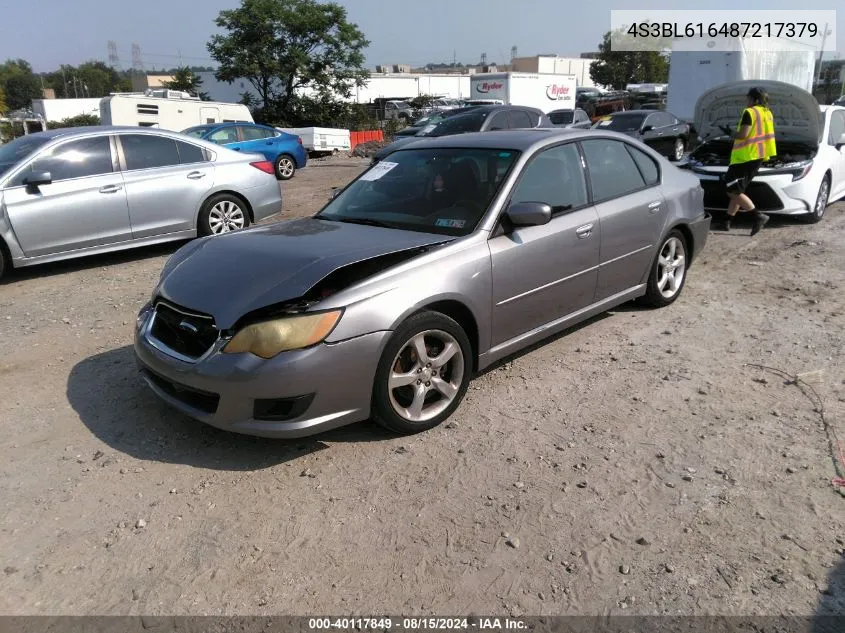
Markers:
{"x": 593, "y": 199}
{"x": 61, "y": 144}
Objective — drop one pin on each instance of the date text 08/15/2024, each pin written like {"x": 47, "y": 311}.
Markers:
{"x": 416, "y": 624}
{"x": 677, "y": 30}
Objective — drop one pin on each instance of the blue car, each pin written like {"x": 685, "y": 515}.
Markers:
{"x": 284, "y": 150}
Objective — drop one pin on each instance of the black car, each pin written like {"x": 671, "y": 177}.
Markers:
{"x": 487, "y": 118}
{"x": 576, "y": 118}
{"x": 432, "y": 119}
{"x": 662, "y": 131}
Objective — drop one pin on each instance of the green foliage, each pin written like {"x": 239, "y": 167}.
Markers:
{"x": 93, "y": 79}
{"x": 281, "y": 46}
{"x": 616, "y": 69}
{"x": 3, "y": 106}
{"x": 318, "y": 112}
{"x": 186, "y": 80}
{"x": 19, "y": 83}
{"x": 81, "y": 120}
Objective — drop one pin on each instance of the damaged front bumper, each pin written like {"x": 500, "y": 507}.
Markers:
{"x": 295, "y": 394}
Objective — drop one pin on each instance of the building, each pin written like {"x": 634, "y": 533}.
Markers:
{"x": 60, "y": 109}
{"x": 578, "y": 66}
{"x": 140, "y": 83}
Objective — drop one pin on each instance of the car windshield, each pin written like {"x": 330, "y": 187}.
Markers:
{"x": 469, "y": 122}
{"x": 622, "y": 122}
{"x": 14, "y": 151}
{"x": 561, "y": 116}
{"x": 441, "y": 190}
{"x": 198, "y": 132}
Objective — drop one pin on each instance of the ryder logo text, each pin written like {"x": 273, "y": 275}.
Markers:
{"x": 556, "y": 93}
{"x": 487, "y": 86}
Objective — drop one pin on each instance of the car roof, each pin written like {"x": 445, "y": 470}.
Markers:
{"x": 519, "y": 140}
{"x": 89, "y": 129}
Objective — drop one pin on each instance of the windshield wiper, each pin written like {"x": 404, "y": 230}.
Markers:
{"x": 365, "y": 221}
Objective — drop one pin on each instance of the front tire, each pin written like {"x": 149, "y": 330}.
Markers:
{"x": 668, "y": 272}
{"x": 822, "y": 200}
{"x": 285, "y": 167}
{"x": 678, "y": 149}
{"x": 423, "y": 374}
{"x": 5, "y": 264}
{"x": 222, "y": 213}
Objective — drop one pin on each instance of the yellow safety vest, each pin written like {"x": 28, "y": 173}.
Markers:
{"x": 761, "y": 143}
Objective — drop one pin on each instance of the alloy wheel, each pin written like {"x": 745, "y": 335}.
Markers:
{"x": 226, "y": 216}
{"x": 679, "y": 149}
{"x": 821, "y": 201}
{"x": 286, "y": 168}
{"x": 426, "y": 375}
{"x": 671, "y": 267}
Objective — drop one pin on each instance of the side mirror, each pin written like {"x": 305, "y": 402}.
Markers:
{"x": 529, "y": 213}
{"x": 37, "y": 179}
{"x": 840, "y": 142}
{"x": 335, "y": 193}
{"x": 647, "y": 128}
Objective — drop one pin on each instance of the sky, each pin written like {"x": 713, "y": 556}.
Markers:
{"x": 412, "y": 32}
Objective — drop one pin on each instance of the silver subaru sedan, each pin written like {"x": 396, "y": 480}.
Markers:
{"x": 443, "y": 258}
{"x": 79, "y": 191}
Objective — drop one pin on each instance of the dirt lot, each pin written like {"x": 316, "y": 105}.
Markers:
{"x": 635, "y": 465}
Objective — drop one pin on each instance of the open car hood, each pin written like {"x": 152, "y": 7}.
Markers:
{"x": 796, "y": 111}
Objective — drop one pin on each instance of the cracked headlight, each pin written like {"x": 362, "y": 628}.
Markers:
{"x": 270, "y": 338}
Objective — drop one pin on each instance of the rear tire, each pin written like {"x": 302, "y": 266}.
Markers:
{"x": 822, "y": 200}
{"x": 444, "y": 374}
{"x": 5, "y": 264}
{"x": 222, "y": 213}
{"x": 668, "y": 272}
{"x": 285, "y": 167}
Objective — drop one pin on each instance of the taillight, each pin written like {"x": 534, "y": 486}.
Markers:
{"x": 299, "y": 139}
{"x": 264, "y": 165}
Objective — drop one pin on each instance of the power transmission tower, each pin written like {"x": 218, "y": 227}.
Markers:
{"x": 483, "y": 58}
{"x": 513, "y": 53}
{"x": 137, "y": 62}
{"x": 114, "y": 58}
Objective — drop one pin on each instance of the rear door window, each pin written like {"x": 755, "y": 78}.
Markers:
{"x": 518, "y": 119}
{"x": 613, "y": 171}
{"x": 146, "y": 151}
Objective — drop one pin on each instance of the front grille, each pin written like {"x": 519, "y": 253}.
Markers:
{"x": 186, "y": 333}
{"x": 762, "y": 194}
{"x": 201, "y": 400}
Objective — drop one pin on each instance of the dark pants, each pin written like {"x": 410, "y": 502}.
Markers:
{"x": 740, "y": 175}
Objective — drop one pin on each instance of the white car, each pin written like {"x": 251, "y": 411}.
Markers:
{"x": 807, "y": 174}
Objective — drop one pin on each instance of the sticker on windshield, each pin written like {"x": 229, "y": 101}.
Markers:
{"x": 504, "y": 154}
{"x": 604, "y": 122}
{"x": 379, "y": 170}
{"x": 450, "y": 224}
{"x": 428, "y": 128}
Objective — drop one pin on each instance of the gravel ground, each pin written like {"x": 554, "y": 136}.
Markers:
{"x": 640, "y": 464}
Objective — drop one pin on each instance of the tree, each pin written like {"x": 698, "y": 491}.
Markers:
{"x": 188, "y": 81}
{"x": 80, "y": 120}
{"x": 618, "y": 68}
{"x": 93, "y": 79}
{"x": 3, "y": 106}
{"x": 281, "y": 46}
{"x": 19, "y": 83}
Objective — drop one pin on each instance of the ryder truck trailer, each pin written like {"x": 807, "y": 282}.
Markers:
{"x": 543, "y": 91}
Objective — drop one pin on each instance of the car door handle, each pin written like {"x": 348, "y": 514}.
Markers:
{"x": 196, "y": 175}
{"x": 654, "y": 207}
{"x": 111, "y": 188}
{"x": 584, "y": 231}
{"x": 237, "y": 149}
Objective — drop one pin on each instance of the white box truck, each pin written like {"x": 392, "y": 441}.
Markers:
{"x": 692, "y": 71}
{"x": 322, "y": 140}
{"x": 544, "y": 91}
{"x": 168, "y": 110}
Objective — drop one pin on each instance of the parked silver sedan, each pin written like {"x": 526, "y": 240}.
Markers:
{"x": 80, "y": 191}
{"x": 445, "y": 257}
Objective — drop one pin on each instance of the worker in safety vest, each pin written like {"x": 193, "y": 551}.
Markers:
{"x": 753, "y": 144}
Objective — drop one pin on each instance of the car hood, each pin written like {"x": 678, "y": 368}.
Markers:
{"x": 399, "y": 142}
{"x": 231, "y": 275}
{"x": 796, "y": 111}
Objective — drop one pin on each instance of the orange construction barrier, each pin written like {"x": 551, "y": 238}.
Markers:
{"x": 365, "y": 136}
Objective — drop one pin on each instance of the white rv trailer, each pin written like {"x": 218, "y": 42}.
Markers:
{"x": 168, "y": 110}
{"x": 321, "y": 140}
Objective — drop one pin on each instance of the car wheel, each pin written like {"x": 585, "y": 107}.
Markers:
{"x": 678, "y": 149}
{"x": 669, "y": 271}
{"x": 423, "y": 374}
{"x": 285, "y": 167}
{"x": 222, "y": 213}
{"x": 4, "y": 263}
{"x": 821, "y": 202}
